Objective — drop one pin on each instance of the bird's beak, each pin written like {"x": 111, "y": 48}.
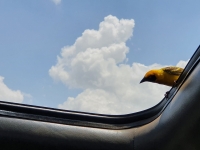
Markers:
{"x": 143, "y": 80}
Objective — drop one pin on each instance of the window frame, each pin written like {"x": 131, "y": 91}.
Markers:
{"x": 67, "y": 117}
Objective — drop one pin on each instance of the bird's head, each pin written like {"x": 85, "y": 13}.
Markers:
{"x": 150, "y": 76}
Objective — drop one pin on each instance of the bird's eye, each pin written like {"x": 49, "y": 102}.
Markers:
{"x": 152, "y": 78}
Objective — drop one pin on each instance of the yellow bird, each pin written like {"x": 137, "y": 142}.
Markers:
{"x": 166, "y": 76}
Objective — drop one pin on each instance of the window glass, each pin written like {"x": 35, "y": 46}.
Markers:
{"x": 89, "y": 55}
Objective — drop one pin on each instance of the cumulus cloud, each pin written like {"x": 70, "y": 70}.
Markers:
{"x": 96, "y": 64}
{"x": 125, "y": 96}
{"x": 57, "y": 1}
{"x": 90, "y": 59}
{"x": 182, "y": 63}
{"x": 9, "y": 95}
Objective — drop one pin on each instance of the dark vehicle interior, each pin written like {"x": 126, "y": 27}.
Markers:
{"x": 172, "y": 124}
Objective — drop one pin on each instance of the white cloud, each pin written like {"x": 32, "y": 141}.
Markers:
{"x": 125, "y": 94}
{"x": 96, "y": 64}
{"x": 182, "y": 63}
{"x": 93, "y": 54}
{"x": 57, "y": 1}
{"x": 9, "y": 95}
{"x": 27, "y": 98}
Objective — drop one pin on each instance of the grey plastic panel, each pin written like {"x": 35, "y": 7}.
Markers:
{"x": 32, "y": 135}
{"x": 178, "y": 127}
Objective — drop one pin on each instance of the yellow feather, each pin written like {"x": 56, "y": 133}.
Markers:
{"x": 166, "y": 76}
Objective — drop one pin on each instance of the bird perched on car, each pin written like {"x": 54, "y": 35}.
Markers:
{"x": 166, "y": 76}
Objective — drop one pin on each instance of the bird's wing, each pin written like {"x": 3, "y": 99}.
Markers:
{"x": 173, "y": 70}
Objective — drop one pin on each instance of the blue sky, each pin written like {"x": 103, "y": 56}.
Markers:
{"x": 34, "y": 32}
